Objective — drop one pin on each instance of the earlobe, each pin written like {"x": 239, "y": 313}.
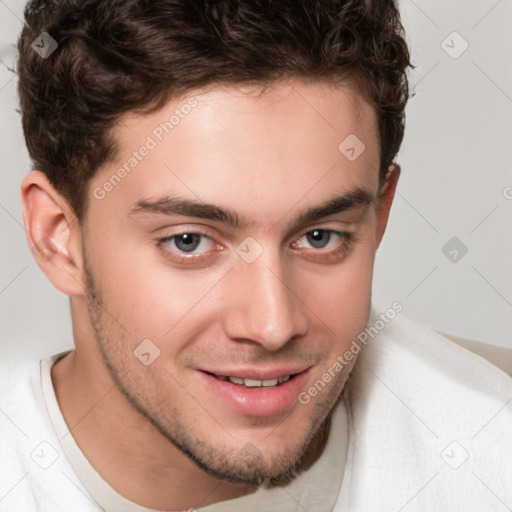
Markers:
{"x": 386, "y": 195}
{"x": 53, "y": 233}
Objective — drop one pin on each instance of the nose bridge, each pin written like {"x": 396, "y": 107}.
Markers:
{"x": 263, "y": 307}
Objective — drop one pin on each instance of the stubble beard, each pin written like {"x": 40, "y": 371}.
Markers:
{"x": 237, "y": 465}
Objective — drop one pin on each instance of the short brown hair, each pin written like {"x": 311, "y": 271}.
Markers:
{"x": 117, "y": 56}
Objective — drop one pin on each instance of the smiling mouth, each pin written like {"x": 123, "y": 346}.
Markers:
{"x": 257, "y": 391}
{"x": 254, "y": 383}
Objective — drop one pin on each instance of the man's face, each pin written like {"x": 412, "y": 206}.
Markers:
{"x": 269, "y": 293}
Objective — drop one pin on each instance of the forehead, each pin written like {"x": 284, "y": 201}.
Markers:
{"x": 242, "y": 146}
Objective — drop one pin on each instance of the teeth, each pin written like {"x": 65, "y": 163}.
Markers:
{"x": 254, "y": 383}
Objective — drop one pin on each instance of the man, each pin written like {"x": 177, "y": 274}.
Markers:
{"x": 211, "y": 183}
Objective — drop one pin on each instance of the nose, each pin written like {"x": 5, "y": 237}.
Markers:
{"x": 263, "y": 306}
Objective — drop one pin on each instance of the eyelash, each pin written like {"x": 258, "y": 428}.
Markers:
{"x": 348, "y": 239}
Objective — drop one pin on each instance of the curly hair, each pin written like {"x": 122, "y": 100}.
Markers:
{"x": 121, "y": 56}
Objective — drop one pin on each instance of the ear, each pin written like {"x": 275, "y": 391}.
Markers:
{"x": 386, "y": 194}
{"x": 53, "y": 233}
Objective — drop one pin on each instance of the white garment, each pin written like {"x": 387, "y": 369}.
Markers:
{"x": 418, "y": 406}
{"x": 35, "y": 476}
{"x": 430, "y": 426}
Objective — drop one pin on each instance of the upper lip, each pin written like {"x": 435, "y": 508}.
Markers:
{"x": 258, "y": 373}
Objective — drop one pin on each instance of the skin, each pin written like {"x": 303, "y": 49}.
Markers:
{"x": 157, "y": 434}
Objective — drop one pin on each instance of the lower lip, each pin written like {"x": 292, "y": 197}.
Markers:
{"x": 258, "y": 401}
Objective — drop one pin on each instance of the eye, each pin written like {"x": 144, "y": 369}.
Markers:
{"x": 187, "y": 242}
{"x": 325, "y": 245}
{"x": 190, "y": 243}
{"x": 319, "y": 238}
{"x": 323, "y": 238}
{"x": 322, "y": 245}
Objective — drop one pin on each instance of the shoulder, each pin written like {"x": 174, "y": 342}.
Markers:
{"x": 500, "y": 357}
{"x": 425, "y": 365}
{"x": 19, "y": 407}
{"x": 36, "y": 472}
{"x": 23, "y": 375}
{"x": 16, "y": 376}
{"x": 21, "y": 396}
{"x": 432, "y": 348}
{"x": 421, "y": 404}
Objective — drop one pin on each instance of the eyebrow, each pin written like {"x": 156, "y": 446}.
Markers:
{"x": 353, "y": 199}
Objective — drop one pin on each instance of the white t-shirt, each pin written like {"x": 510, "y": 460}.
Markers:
{"x": 429, "y": 428}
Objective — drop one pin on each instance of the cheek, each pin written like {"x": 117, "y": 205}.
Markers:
{"x": 340, "y": 298}
{"x": 345, "y": 285}
{"x": 146, "y": 296}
